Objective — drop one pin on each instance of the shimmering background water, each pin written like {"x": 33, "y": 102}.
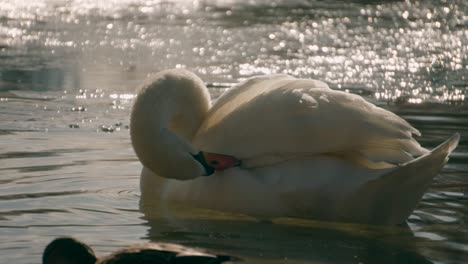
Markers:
{"x": 69, "y": 71}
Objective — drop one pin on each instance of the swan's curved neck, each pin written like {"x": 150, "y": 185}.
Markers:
{"x": 166, "y": 115}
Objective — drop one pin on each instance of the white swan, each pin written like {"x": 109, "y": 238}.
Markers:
{"x": 280, "y": 146}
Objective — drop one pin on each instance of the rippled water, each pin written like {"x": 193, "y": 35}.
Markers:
{"x": 69, "y": 71}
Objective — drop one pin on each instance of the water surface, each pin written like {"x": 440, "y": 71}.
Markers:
{"x": 69, "y": 71}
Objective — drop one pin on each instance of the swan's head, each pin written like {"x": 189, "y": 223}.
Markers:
{"x": 167, "y": 113}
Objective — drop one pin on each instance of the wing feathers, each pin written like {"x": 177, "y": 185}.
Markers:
{"x": 271, "y": 119}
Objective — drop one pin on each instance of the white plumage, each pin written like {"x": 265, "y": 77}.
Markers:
{"x": 306, "y": 150}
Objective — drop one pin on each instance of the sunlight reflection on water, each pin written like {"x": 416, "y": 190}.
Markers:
{"x": 384, "y": 47}
{"x": 69, "y": 71}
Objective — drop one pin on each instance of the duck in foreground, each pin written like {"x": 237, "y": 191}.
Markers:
{"x": 68, "y": 250}
{"x": 275, "y": 146}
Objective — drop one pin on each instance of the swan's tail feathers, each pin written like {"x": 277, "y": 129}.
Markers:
{"x": 391, "y": 198}
{"x": 446, "y": 148}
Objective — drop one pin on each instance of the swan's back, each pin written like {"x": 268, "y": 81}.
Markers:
{"x": 270, "y": 119}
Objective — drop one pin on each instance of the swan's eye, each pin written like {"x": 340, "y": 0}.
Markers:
{"x": 214, "y": 162}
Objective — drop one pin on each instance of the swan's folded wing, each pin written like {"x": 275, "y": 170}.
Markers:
{"x": 280, "y": 117}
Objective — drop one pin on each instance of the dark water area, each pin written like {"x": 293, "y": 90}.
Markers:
{"x": 69, "y": 71}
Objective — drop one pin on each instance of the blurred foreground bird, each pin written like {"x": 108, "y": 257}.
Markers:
{"x": 68, "y": 250}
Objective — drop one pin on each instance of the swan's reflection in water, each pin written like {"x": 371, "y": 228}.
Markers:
{"x": 286, "y": 240}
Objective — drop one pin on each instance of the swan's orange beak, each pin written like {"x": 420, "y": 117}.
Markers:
{"x": 220, "y": 162}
